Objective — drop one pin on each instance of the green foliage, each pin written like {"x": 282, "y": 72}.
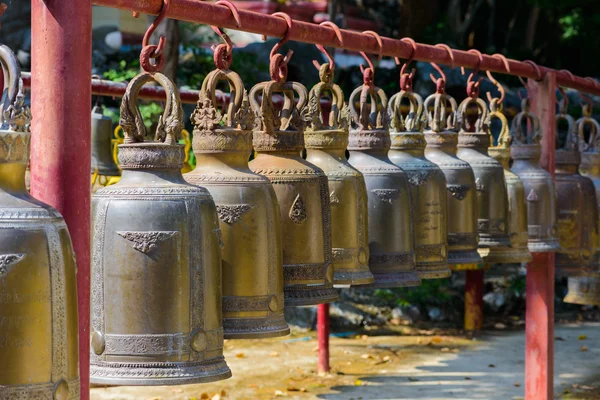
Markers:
{"x": 571, "y": 24}
{"x": 431, "y": 292}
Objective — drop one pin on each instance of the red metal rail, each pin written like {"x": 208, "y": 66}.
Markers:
{"x": 211, "y": 14}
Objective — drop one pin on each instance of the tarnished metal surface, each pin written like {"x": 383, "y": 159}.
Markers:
{"x": 518, "y": 251}
{"x": 540, "y": 192}
{"x": 156, "y": 265}
{"x": 38, "y": 293}
{"x": 492, "y": 200}
{"x": 302, "y": 193}
{"x": 427, "y": 185}
{"x": 102, "y": 152}
{"x": 391, "y": 242}
{"x": 325, "y": 147}
{"x": 248, "y": 212}
{"x": 577, "y": 206}
{"x": 442, "y": 140}
{"x": 584, "y": 289}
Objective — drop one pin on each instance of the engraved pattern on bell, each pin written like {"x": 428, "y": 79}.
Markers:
{"x": 538, "y": 183}
{"x": 391, "y": 237}
{"x": 301, "y": 191}
{"x": 37, "y": 268}
{"x": 156, "y": 262}
{"x": 427, "y": 186}
{"x": 326, "y": 139}
{"x": 247, "y": 208}
{"x": 461, "y": 197}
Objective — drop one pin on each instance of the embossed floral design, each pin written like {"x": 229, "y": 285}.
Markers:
{"x": 533, "y": 197}
{"x": 298, "y": 210}
{"x": 6, "y": 260}
{"x": 231, "y": 214}
{"x": 387, "y": 195}
{"x": 333, "y": 199}
{"x": 147, "y": 241}
{"x": 418, "y": 178}
{"x": 206, "y": 117}
{"x": 311, "y": 113}
{"x": 459, "y": 192}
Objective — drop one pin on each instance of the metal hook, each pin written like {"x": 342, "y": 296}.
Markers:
{"x": 440, "y": 83}
{"x": 278, "y": 63}
{"x": 562, "y": 103}
{"x": 322, "y": 48}
{"x": 538, "y": 72}
{"x": 495, "y": 82}
{"x": 473, "y": 86}
{"x": 406, "y": 80}
{"x": 223, "y": 52}
{"x": 369, "y": 73}
{"x": 154, "y": 51}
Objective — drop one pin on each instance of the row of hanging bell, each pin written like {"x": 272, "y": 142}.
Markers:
{"x": 38, "y": 292}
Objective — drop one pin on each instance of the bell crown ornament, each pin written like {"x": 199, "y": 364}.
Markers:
{"x": 156, "y": 315}
{"x": 245, "y": 202}
{"x": 540, "y": 192}
{"x": 37, "y": 268}
{"x": 427, "y": 185}
{"x": 441, "y": 149}
{"x": 391, "y": 238}
{"x": 326, "y": 144}
{"x": 590, "y": 151}
{"x": 301, "y": 188}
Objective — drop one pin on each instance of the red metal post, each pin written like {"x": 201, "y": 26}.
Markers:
{"x": 60, "y": 150}
{"x": 539, "y": 322}
{"x": 474, "y": 300}
{"x": 323, "y": 337}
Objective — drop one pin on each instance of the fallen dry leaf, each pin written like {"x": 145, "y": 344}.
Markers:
{"x": 253, "y": 385}
{"x": 492, "y": 366}
{"x": 410, "y": 378}
{"x": 581, "y": 337}
{"x": 279, "y": 393}
{"x": 517, "y": 384}
{"x": 583, "y": 348}
{"x": 273, "y": 354}
{"x": 358, "y": 382}
{"x": 223, "y": 393}
{"x": 240, "y": 355}
{"x": 204, "y": 396}
{"x": 436, "y": 339}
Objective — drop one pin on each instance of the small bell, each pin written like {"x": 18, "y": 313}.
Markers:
{"x": 391, "y": 243}
{"x": 38, "y": 295}
{"x": 156, "y": 314}
{"x": 492, "y": 199}
{"x": 302, "y": 192}
{"x": 517, "y": 252}
{"x": 325, "y": 147}
{"x": 442, "y": 140}
{"x": 248, "y": 212}
{"x": 540, "y": 192}
{"x": 102, "y": 152}
{"x": 577, "y": 205}
{"x": 427, "y": 185}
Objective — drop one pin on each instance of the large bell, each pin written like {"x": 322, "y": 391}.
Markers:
{"x": 302, "y": 193}
{"x": 427, "y": 185}
{"x": 492, "y": 199}
{"x": 248, "y": 212}
{"x": 584, "y": 289}
{"x": 442, "y": 140}
{"x": 326, "y": 147}
{"x": 518, "y": 251}
{"x": 539, "y": 187}
{"x": 577, "y": 206}
{"x": 590, "y": 157}
{"x": 391, "y": 243}
{"x": 156, "y": 314}
{"x": 38, "y": 292}
{"x": 102, "y": 152}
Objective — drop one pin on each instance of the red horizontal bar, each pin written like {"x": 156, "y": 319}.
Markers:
{"x": 211, "y": 14}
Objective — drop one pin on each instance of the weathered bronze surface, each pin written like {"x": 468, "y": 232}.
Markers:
{"x": 156, "y": 314}
{"x": 577, "y": 206}
{"x": 302, "y": 193}
{"x": 38, "y": 292}
{"x": 518, "y": 251}
{"x": 540, "y": 192}
{"x": 584, "y": 289}
{"x": 427, "y": 185}
{"x": 391, "y": 243}
{"x": 326, "y": 147}
{"x": 442, "y": 140}
{"x": 102, "y": 152}
{"x": 492, "y": 199}
{"x": 248, "y": 212}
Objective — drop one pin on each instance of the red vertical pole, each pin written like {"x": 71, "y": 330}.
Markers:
{"x": 60, "y": 150}
{"x": 474, "y": 300}
{"x": 323, "y": 337}
{"x": 539, "y": 328}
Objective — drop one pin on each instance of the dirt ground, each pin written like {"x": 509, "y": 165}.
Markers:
{"x": 408, "y": 364}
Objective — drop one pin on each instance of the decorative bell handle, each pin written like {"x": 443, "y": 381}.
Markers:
{"x": 533, "y": 135}
{"x": 12, "y": 78}
{"x": 413, "y": 122}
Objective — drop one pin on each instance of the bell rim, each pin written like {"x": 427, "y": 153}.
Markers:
{"x": 394, "y": 279}
{"x": 508, "y": 255}
{"x": 256, "y": 335}
{"x": 326, "y": 294}
{"x": 433, "y": 271}
{"x": 551, "y": 245}
{"x": 349, "y": 276}
{"x": 456, "y": 257}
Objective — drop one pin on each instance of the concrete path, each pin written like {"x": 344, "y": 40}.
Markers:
{"x": 492, "y": 371}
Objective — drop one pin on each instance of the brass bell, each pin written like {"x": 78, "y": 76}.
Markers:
{"x": 492, "y": 199}
{"x": 540, "y": 192}
{"x": 391, "y": 243}
{"x": 248, "y": 212}
{"x": 325, "y": 147}
{"x": 38, "y": 295}
{"x": 590, "y": 157}
{"x": 517, "y": 252}
{"x": 156, "y": 314}
{"x": 102, "y": 152}
{"x": 302, "y": 192}
{"x": 577, "y": 205}
{"x": 442, "y": 141}
{"x": 427, "y": 185}
{"x": 584, "y": 289}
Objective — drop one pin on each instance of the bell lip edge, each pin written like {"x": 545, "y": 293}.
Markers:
{"x": 331, "y": 296}
{"x": 265, "y": 335}
{"x": 345, "y": 277}
{"x": 580, "y": 300}
{"x": 394, "y": 280}
{"x": 441, "y": 273}
{"x": 107, "y": 381}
